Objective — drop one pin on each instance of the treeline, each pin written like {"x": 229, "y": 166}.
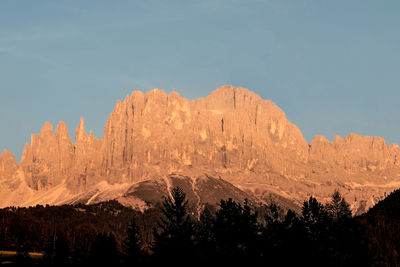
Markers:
{"x": 109, "y": 234}
{"x": 381, "y": 226}
{"x": 323, "y": 235}
{"x": 69, "y": 229}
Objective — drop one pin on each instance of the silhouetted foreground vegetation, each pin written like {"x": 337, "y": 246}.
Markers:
{"x": 381, "y": 226}
{"x": 109, "y": 234}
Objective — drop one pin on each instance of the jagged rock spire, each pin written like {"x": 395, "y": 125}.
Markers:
{"x": 8, "y": 165}
{"x": 80, "y": 133}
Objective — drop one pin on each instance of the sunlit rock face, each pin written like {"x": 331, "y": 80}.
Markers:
{"x": 230, "y": 131}
{"x": 365, "y": 168}
{"x": 49, "y": 158}
{"x": 231, "y": 134}
{"x": 8, "y": 165}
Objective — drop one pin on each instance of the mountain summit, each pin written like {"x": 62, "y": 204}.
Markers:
{"x": 232, "y": 134}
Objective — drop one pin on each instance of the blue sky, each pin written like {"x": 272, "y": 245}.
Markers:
{"x": 332, "y": 66}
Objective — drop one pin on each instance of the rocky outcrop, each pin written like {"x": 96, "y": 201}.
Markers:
{"x": 355, "y": 153}
{"x": 8, "y": 165}
{"x": 232, "y": 134}
{"x": 86, "y": 160}
{"x": 47, "y": 161}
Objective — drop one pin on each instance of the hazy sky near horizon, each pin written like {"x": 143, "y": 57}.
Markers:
{"x": 332, "y": 66}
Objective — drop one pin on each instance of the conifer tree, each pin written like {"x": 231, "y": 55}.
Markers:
{"x": 205, "y": 238}
{"x": 174, "y": 239}
{"x": 343, "y": 239}
{"x": 235, "y": 231}
{"x": 133, "y": 244}
{"x": 317, "y": 227}
{"x": 338, "y": 209}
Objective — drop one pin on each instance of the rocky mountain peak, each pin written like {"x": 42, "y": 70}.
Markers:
{"x": 80, "y": 133}
{"x": 232, "y": 133}
{"x": 62, "y": 131}
{"x": 47, "y": 128}
{"x": 8, "y": 165}
{"x": 27, "y": 153}
{"x": 6, "y": 155}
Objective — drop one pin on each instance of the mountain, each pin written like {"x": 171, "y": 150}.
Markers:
{"x": 232, "y": 135}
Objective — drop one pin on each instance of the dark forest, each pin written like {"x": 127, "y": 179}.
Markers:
{"x": 109, "y": 234}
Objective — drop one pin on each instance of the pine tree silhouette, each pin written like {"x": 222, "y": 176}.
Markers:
{"x": 345, "y": 246}
{"x": 174, "y": 239}
{"x": 235, "y": 231}
{"x": 205, "y": 238}
{"x": 133, "y": 244}
{"x": 338, "y": 209}
{"x": 317, "y": 227}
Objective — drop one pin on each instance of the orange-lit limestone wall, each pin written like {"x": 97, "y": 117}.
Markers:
{"x": 232, "y": 133}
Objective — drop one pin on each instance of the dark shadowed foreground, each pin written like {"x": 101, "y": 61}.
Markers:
{"x": 232, "y": 233}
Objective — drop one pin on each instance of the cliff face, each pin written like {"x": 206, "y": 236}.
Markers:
{"x": 48, "y": 159}
{"x": 232, "y": 134}
{"x": 355, "y": 153}
{"x": 229, "y": 131}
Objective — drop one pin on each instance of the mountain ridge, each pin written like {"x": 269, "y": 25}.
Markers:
{"x": 232, "y": 133}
